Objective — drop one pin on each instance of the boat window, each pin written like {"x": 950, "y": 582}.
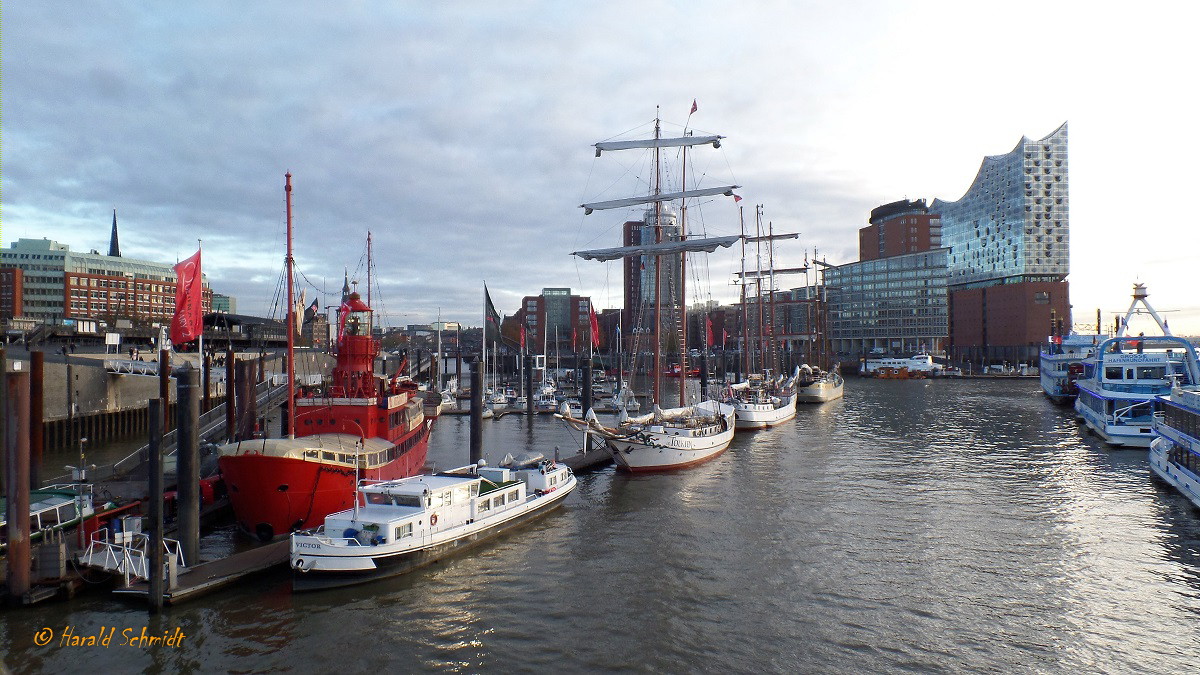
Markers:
{"x": 328, "y": 457}
{"x": 404, "y": 530}
{"x": 485, "y": 505}
{"x": 1129, "y": 374}
{"x": 1152, "y": 372}
{"x": 474, "y": 489}
{"x": 375, "y": 498}
{"x": 512, "y": 496}
{"x": 1112, "y": 373}
{"x": 498, "y": 501}
{"x": 407, "y": 500}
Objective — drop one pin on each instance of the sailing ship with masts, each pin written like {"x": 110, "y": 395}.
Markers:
{"x": 356, "y": 425}
{"x": 684, "y": 435}
{"x": 765, "y": 398}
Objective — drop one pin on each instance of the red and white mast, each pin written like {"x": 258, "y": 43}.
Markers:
{"x": 291, "y": 315}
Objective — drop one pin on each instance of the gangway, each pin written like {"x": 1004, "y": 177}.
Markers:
{"x": 127, "y": 554}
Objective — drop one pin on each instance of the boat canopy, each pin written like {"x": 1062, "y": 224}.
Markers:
{"x": 707, "y": 245}
{"x": 726, "y": 190}
{"x": 676, "y": 142}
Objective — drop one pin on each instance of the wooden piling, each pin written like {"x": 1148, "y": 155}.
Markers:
{"x": 16, "y": 444}
{"x": 230, "y": 395}
{"x": 164, "y": 386}
{"x": 156, "y": 507}
{"x": 476, "y": 411}
{"x": 187, "y": 453}
{"x": 37, "y": 416}
{"x": 529, "y": 388}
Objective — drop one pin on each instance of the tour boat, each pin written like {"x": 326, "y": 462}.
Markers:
{"x": 818, "y": 386}
{"x": 1061, "y": 364}
{"x": 917, "y": 363}
{"x": 1175, "y": 452}
{"x": 400, "y": 525}
{"x": 358, "y": 424}
{"x": 686, "y": 435}
{"x": 762, "y": 402}
{"x": 1123, "y": 379}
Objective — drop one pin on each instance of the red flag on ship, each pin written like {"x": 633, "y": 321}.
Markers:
{"x": 595, "y": 329}
{"x": 708, "y": 333}
{"x": 573, "y": 347}
{"x": 737, "y": 198}
{"x": 522, "y": 337}
{"x": 694, "y": 107}
{"x": 189, "y": 312}
{"x": 343, "y": 312}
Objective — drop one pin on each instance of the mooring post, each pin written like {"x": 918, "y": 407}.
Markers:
{"x": 206, "y": 383}
{"x": 476, "y": 411}
{"x": 156, "y": 507}
{"x": 187, "y": 453}
{"x": 16, "y": 444}
{"x": 529, "y": 387}
{"x": 587, "y": 403}
{"x": 164, "y": 386}
{"x": 37, "y": 416}
{"x": 230, "y": 395}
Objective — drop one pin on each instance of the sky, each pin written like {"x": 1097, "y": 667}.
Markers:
{"x": 459, "y": 134}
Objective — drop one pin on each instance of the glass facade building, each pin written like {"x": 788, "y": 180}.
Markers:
{"x": 1012, "y": 224}
{"x": 897, "y": 304}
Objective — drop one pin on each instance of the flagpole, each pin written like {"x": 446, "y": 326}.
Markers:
{"x": 200, "y": 346}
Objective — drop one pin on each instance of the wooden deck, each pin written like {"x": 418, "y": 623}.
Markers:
{"x": 211, "y": 576}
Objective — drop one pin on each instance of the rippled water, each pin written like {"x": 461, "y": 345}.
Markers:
{"x": 912, "y": 525}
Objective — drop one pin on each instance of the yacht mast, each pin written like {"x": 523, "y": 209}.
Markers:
{"x": 657, "y": 261}
{"x": 771, "y": 297}
{"x": 745, "y": 314}
{"x": 291, "y": 315}
{"x": 683, "y": 365}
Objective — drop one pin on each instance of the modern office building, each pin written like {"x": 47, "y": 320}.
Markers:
{"x": 553, "y": 318}
{"x": 641, "y": 276}
{"x": 896, "y": 304}
{"x": 224, "y": 303}
{"x": 1009, "y": 251}
{"x": 58, "y": 284}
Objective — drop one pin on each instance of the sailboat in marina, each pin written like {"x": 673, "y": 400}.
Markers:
{"x": 764, "y": 399}
{"x": 685, "y": 435}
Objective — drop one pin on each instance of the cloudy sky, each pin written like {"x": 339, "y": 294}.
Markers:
{"x": 459, "y": 133}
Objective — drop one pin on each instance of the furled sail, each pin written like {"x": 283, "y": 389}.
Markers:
{"x": 677, "y": 142}
{"x": 706, "y": 245}
{"x": 726, "y": 190}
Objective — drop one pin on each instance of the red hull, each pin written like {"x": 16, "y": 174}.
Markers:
{"x": 273, "y": 496}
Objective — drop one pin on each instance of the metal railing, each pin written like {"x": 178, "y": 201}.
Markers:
{"x": 131, "y": 560}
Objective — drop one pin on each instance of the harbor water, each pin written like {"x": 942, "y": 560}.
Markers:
{"x": 912, "y": 525}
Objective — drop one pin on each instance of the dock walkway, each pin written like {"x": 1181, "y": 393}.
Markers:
{"x": 211, "y": 576}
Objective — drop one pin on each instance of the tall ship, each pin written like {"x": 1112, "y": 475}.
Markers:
{"x": 1175, "y": 452}
{"x": 356, "y": 425}
{"x": 762, "y": 400}
{"x": 687, "y": 434}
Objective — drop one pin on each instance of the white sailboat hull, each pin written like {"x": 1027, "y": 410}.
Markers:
{"x": 825, "y": 389}
{"x": 663, "y": 448}
{"x": 763, "y": 415}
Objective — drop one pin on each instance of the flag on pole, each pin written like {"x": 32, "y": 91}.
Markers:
{"x": 595, "y": 329}
{"x": 491, "y": 317}
{"x": 573, "y": 337}
{"x": 724, "y": 337}
{"x": 343, "y": 314}
{"x": 522, "y": 337}
{"x": 708, "y": 331}
{"x": 188, "y": 320}
{"x": 694, "y": 107}
{"x": 298, "y": 312}
{"x": 737, "y": 198}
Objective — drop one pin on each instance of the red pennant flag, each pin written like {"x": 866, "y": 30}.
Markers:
{"x": 189, "y": 312}
{"x": 522, "y": 337}
{"x": 694, "y": 108}
{"x": 572, "y": 338}
{"x": 736, "y": 199}
{"x": 708, "y": 333}
{"x": 595, "y": 329}
{"x": 343, "y": 312}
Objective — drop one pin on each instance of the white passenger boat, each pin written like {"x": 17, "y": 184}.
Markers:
{"x": 818, "y": 386}
{"x": 917, "y": 363}
{"x": 1061, "y": 364}
{"x": 399, "y": 525}
{"x": 1175, "y": 452}
{"x": 1121, "y": 382}
{"x": 762, "y": 402}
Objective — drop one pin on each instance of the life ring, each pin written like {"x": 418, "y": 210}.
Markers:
{"x": 433, "y": 519}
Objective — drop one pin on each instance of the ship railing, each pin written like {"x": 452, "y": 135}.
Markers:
{"x": 131, "y": 560}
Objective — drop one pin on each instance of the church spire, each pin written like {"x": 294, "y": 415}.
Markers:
{"x": 346, "y": 287}
{"x": 114, "y": 246}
